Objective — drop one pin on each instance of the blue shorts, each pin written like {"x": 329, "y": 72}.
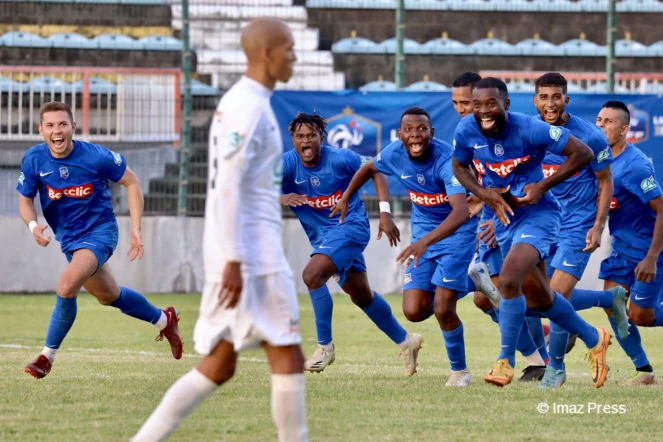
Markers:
{"x": 445, "y": 268}
{"x": 567, "y": 255}
{"x": 102, "y": 244}
{"x": 537, "y": 225}
{"x": 620, "y": 269}
{"x": 491, "y": 256}
{"x": 344, "y": 244}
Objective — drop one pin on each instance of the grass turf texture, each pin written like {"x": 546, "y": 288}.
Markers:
{"x": 110, "y": 375}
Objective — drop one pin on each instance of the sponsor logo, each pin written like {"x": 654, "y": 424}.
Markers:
{"x": 404, "y": 177}
{"x": 42, "y": 174}
{"x": 64, "y": 172}
{"x": 336, "y": 278}
{"x": 648, "y": 184}
{"x": 555, "y": 133}
{"x": 638, "y": 130}
{"x": 614, "y": 204}
{"x": 499, "y": 150}
{"x": 294, "y": 326}
{"x": 81, "y": 191}
{"x": 476, "y": 146}
{"x": 479, "y": 167}
{"x": 299, "y": 182}
{"x": 117, "y": 158}
{"x": 527, "y": 236}
{"x": 454, "y": 181}
{"x": 408, "y": 278}
{"x": 603, "y": 155}
{"x": 234, "y": 142}
{"x": 364, "y": 160}
{"x": 569, "y": 265}
{"x": 447, "y": 280}
{"x": 551, "y": 169}
{"x": 421, "y": 179}
{"x": 428, "y": 200}
{"x": 315, "y": 181}
{"x": 324, "y": 202}
{"x": 349, "y": 130}
{"x": 505, "y": 168}
{"x": 21, "y": 178}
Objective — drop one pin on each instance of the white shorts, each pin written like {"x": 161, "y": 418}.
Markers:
{"x": 267, "y": 312}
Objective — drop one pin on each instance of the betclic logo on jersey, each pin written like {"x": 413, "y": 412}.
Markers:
{"x": 349, "y": 130}
{"x": 505, "y": 168}
{"x": 81, "y": 191}
{"x": 324, "y": 202}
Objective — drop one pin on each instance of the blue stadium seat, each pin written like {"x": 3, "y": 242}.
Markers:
{"x": 536, "y": 47}
{"x": 199, "y": 89}
{"x": 15, "y": 86}
{"x": 572, "y": 87}
{"x": 409, "y": 46}
{"x": 557, "y": 5}
{"x": 97, "y": 86}
{"x": 630, "y": 48}
{"x": 355, "y": 45}
{"x": 492, "y": 46}
{"x": 24, "y": 40}
{"x": 71, "y": 40}
{"x": 521, "y": 86}
{"x": 656, "y": 49}
{"x": 377, "y": 86}
{"x": 48, "y": 84}
{"x": 160, "y": 43}
{"x": 593, "y": 5}
{"x": 427, "y": 5}
{"x": 602, "y": 88}
{"x": 115, "y": 41}
{"x": 444, "y": 46}
{"x": 426, "y": 86}
{"x": 640, "y": 6}
{"x": 582, "y": 48}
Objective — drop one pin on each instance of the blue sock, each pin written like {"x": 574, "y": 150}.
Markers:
{"x": 526, "y": 345}
{"x": 533, "y": 313}
{"x": 62, "y": 319}
{"x": 585, "y": 299}
{"x": 134, "y": 304}
{"x": 559, "y": 338}
{"x": 658, "y": 311}
{"x": 455, "y": 344}
{"x": 565, "y": 316}
{"x": 632, "y": 345}
{"x": 323, "y": 307}
{"x": 512, "y": 318}
{"x": 380, "y": 313}
{"x": 494, "y": 315}
{"x": 470, "y": 285}
{"x": 536, "y": 330}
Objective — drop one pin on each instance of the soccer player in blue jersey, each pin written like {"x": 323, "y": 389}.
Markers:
{"x": 443, "y": 234}
{"x": 71, "y": 178}
{"x": 314, "y": 178}
{"x": 585, "y": 201}
{"x": 485, "y": 270}
{"x": 511, "y": 147}
{"x": 636, "y": 224}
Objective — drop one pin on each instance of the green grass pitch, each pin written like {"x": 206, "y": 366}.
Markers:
{"x": 110, "y": 375}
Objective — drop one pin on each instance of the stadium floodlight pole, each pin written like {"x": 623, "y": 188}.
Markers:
{"x": 185, "y": 144}
{"x": 400, "y": 53}
{"x": 610, "y": 60}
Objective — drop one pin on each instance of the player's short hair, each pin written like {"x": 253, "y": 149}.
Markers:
{"x": 55, "y": 106}
{"x": 416, "y": 111}
{"x": 466, "y": 79}
{"x": 310, "y": 120}
{"x": 551, "y": 79}
{"x": 493, "y": 83}
{"x": 616, "y": 104}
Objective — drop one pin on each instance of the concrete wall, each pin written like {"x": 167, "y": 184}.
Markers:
{"x": 173, "y": 258}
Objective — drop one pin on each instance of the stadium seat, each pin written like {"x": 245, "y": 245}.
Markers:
{"x": 97, "y": 86}
{"x": 356, "y": 45}
{"x": 535, "y": 47}
{"x": 582, "y": 48}
{"x": 71, "y": 40}
{"x": 24, "y": 40}
{"x": 602, "y": 88}
{"x": 640, "y": 6}
{"x": 115, "y": 41}
{"x": 6, "y": 84}
{"x": 557, "y": 5}
{"x": 379, "y": 85}
{"x": 426, "y": 86}
{"x": 199, "y": 89}
{"x": 50, "y": 84}
{"x": 656, "y": 49}
{"x": 389, "y": 46}
{"x": 444, "y": 46}
{"x": 630, "y": 48}
{"x": 160, "y": 43}
{"x": 593, "y": 5}
{"x": 491, "y": 46}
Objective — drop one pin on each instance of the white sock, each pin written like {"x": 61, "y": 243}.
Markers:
{"x": 289, "y": 407}
{"x": 162, "y": 322}
{"x": 535, "y": 359}
{"x": 49, "y": 353}
{"x": 180, "y": 400}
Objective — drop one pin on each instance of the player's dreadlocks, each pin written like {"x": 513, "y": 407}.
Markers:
{"x": 311, "y": 120}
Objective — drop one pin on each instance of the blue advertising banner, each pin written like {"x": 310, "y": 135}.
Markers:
{"x": 367, "y": 122}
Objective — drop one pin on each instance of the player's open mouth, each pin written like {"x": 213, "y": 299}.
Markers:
{"x": 58, "y": 141}
{"x": 416, "y": 148}
{"x": 307, "y": 151}
{"x": 487, "y": 123}
{"x": 550, "y": 114}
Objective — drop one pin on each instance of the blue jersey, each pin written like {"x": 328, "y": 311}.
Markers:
{"x": 429, "y": 186}
{"x": 323, "y": 186}
{"x": 74, "y": 191}
{"x": 514, "y": 157}
{"x": 631, "y": 218}
{"x": 577, "y": 194}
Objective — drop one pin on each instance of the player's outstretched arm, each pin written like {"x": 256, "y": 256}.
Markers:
{"x": 292, "y": 200}
{"x": 26, "y": 207}
{"x": 135, "y": 196}
{"x": 646, "y": 269}
{"x": 360, "y": 178}
{"x": 387, "y": 224}
{"x": 603, "y": 201}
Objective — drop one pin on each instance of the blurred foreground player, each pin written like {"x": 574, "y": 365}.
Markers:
{"x": 314, "y": 179}
{"x": 72, "y": 177}
{"x": 249, "y": 299}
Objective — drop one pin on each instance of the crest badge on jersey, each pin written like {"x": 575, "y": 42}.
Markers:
{"x": 64, "y": 173}
{"x": 117, "y": 158}
{"x": 421, "y": 179}
{"x": 408, "y": 278}
{"x": 349, "y": 130}
{"x": 315, "y": 181}
{"x": 499, "y": 150}
{"x": 603, "y": 155}
{"x": 555, "y": 133}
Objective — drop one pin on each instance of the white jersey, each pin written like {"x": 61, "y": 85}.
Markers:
{"x": 242, "y": 213}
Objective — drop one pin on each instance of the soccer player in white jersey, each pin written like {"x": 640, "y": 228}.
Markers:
{"x": 249, "y": 299}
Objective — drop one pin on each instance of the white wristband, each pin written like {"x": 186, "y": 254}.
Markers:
{"x": 32, "y": 226}
{"x": 385, "y": 207}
